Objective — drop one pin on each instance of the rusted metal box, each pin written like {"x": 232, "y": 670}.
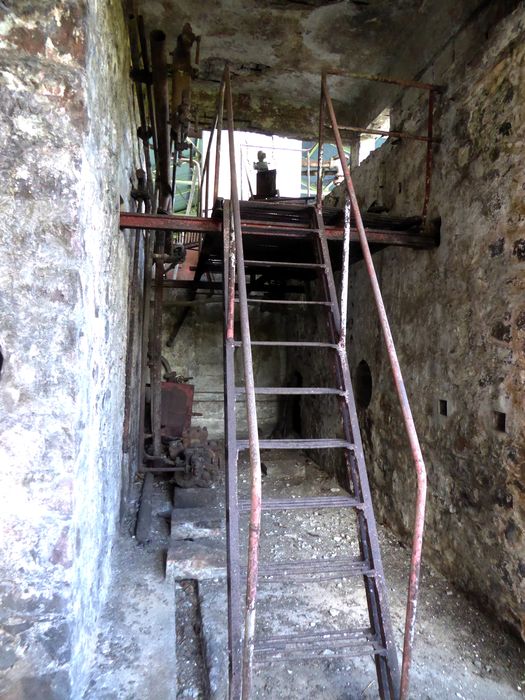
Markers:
{"x": 176, "y": 408}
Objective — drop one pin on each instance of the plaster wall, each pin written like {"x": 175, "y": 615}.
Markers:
{"x": 67, "y": 155}
{"x": 458, "y": 318}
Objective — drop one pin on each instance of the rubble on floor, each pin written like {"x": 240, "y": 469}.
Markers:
{"x": 459, "y": 653}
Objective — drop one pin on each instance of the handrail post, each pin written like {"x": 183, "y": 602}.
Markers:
{"x": 419, "y": 518}
{"x": 218, "y": 144}
{"x": 253, "y": 436}
{"x": 205, "y": 172}
{"x": 319, "y": 196}
{"x": 344, "y": 273}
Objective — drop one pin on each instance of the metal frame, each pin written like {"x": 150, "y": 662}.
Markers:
{"x": 200, "y": 226}
{"x": 429, "y": 139}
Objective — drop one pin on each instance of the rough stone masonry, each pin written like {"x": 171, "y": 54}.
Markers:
{"x": 457, "y": 314}
{"x": 67, "y": 154}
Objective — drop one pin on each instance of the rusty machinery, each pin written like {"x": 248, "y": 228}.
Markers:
{"x": 169, "y": 442}
{"x": 186, "y": 449}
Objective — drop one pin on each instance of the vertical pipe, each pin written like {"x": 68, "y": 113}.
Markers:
{"x": 218, "y": 144}
{"x": 253, "y": 435}
{"x": 174, "y": 178}
{"x": 160, "y": 92}
{"x": 232, "y": 510}
{"x": 308, "y": 173}
{"x": 146, "y": 309}
{"x": 203, "y": 201}
{"x": 156, "y": 345}
{"x": 135, "y": 62}
{"x": 133, "y": 322}
{"x": 149, "y": 92}
{"x": 207, "y": 182}
{"x": 428, "y": 173}
{"x": 344, "y": 275}
{"x": 419, "y": 518}
{"x": 319, "y": 198}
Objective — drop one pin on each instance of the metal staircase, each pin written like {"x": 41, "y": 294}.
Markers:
{"x": 291, "y": 225}
{"x": 246, "y": 647}
{"x": 376, "y": 640}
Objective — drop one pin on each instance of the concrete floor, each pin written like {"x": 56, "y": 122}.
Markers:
{"x": 136, "y": 645}
{"x": 459, "y": 652}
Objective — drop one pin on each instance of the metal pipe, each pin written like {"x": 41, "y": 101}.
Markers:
{"x": 174, "y": 177}
{"x": 308, "y": 173}
{"x": 251, "y": 410}
{"x": 344, "y": 275}
{"x": 156, "y": 347}
{"x": 135, "y": 63}
{"x": 200, "y": 226}
{"x": 231, "y": 454}
{"x": 417, "y": 456}
{"x": 218, "y": 144}
{"x": 207, "y": 184}
{"x": 146, "y": 305}
{"x": 319, "y": 195}
{"x": 383, "y": 79}
{"x": 203, "y": 201}
{"x": 149, "y": 92}
{"x": 393, "y": 134}
{"x": 195, "y": 181}
{"x": 160, "y": 92}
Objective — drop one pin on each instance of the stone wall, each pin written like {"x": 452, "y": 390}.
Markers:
{"x": 67, "y": 156}
{"x": 198, "y": 353}
{"x": 458, "y": 318}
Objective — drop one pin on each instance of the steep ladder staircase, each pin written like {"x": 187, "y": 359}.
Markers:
{"x": 246, "y": 648}
{"x": 377, "y": 640}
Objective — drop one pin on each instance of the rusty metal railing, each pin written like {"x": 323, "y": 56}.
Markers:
{"x": 419, "y": 518}
{"x": 429, "y": 139}
{"x": 253, "y": 436}
{"x": 215, "y": 133}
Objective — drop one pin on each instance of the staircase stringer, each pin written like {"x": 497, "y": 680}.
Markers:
{"x": 377, "y": 599}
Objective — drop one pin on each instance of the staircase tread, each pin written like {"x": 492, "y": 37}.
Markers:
{"x": 292, "y": 390}
{"x": 288, "y": 343}
{"x": 304, "y": 502}
{"x": 324, "y": 644}
{"x": 308, "y": 636}
{"x": 298, "y": 302}
{"x": 314, "y": 570}
{"x": 282, "y": 263}
{"x": 299, "y": 444}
